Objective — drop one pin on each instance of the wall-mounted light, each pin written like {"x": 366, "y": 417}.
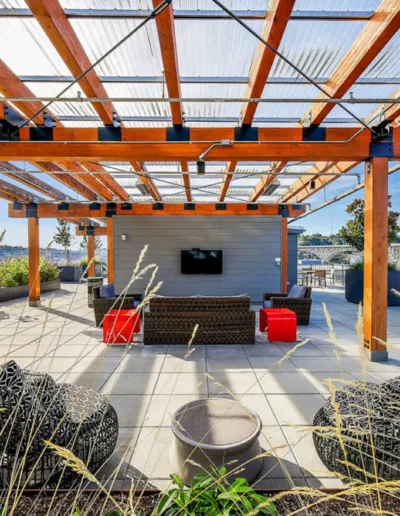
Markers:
{"x": 124, "y": 237}
{"x": 311, "y": 184}
{"x": 201, "y": 164}
{"x": 278, "y": 262}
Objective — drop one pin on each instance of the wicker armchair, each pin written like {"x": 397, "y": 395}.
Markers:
{"x": 102, "y": 306}
{"x": 35, "y": 409}
{"x": 369, "y": 417}
{"x": 301, "y": 306}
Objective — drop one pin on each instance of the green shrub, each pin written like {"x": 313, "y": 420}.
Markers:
{"x": 85, "y": 261}
{"x": 15, "y": 272}
{"x": 359, "y": 266}
{"x": 212, "y": 495}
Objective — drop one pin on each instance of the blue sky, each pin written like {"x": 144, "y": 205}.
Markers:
{"x": 326, "y": 221}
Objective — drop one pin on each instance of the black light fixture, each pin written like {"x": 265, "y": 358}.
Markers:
{"x": 311, "y": 184}
{"x": 201, "y": 167}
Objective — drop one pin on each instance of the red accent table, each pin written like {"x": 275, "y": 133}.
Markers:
{"x": 280, "y": 323}
{"x": 120, "y": 325}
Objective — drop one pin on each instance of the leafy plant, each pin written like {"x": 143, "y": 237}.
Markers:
{"x": 85, "y": 261}
{"x": 64, "y": 237}
{"x": 212, "y": 495}
{"x": 353, "y": 232}
{"x": 98, "y": 244}
{"x": 15, "y": 272}
{"x": 359, "y": 266}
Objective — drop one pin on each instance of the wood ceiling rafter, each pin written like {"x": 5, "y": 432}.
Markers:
{"x": 138, "y": 167}
{"x": 166, "y": 35}
{"x": 275, "y": 23}
{"x": 18, "y": 194}
{"x": 87, "y": 179}
{"x": 377, "y": 32}
{"x": 186, "y": 180}
{"x": 228, "y": 175}
{"x": 11, "y": 85}
{"x": 107, "y": 180}
{"x": 57, "y": 27}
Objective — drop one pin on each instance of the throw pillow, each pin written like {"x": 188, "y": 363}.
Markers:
{"x": 297, "y": 291}
{"x": 266, "y": 304}
{"x": 107, "y": 291}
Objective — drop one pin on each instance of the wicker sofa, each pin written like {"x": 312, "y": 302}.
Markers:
{"x": 221, "y": 320}
{"x": 301, "y": 306}
{"x": 102, "y": 306}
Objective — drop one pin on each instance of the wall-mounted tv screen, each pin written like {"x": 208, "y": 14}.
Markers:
{"x": 200, "y": 261}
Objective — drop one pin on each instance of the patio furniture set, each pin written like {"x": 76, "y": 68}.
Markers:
{"x": 219, "y": 320}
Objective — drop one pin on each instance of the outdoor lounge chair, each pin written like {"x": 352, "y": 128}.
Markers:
{"x": 35, "y": 409}
{"x": 361, "y": 428}
{"x": 102, "y": 306}
{"x": 300, "y": 305}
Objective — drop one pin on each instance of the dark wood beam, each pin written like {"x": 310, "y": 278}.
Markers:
{"x": 186, "y": 180}
{"x": 229, "y": 172}
{"x": 107, "y": 180}
{"x": 87, "y": 179}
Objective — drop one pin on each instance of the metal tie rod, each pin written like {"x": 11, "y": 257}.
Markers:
{"x": 156, "y": 12}
{"x": 287, "y": 61}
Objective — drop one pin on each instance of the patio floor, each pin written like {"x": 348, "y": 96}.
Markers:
{"x": 146, "y": 385}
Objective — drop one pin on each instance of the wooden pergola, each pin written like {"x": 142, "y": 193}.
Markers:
{"x": 87, "y": 160}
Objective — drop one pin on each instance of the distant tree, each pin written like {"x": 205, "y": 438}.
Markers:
{"x": 64, "y": 237}
{"x": 353, "y": 231}
{"x": 2, "y": 234}
{"x": 98, "y": 244}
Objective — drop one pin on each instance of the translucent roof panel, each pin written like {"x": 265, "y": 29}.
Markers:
{"x": 212, "y": 109}
{"x": 215, "y": 47}
{"x": 52, "y": 89}
{"x": 148, "y": 4}
{"x": 139, "y": 55}
{"x": 289, "y": 91}
{"x": 336, "y": 5}
{"x": 134, "y": 90}
{"x": 26, "y": 49}
{"x": 387, "y": 62}
{"x": 316, "y": 47}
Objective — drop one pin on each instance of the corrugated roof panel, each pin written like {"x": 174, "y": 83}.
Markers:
{"x": 290, "y": 91}
{"x": 210, "y": 109}
{"x": 336, "y": 5}
{"x": 135, "y": 90}
{"x": 316, "y": 47}
{"x": 52, "y": 89}
{"x": 148, "y": 4}
{"x": 73, "y": 123}
{"x": 364, "y": 92}
{"x": 387, "y": 62}
{"x": 215, "y": 47}
{"x": 26, "y": 49}
{"x": 139, "y": 55}
{"x": 148, "y": 124}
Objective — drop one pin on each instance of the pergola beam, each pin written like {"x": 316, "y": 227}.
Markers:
{"x": 166, "y": 35}
{"x": 186, "y": 180}
{"x": 375, "y": 35}
{"x": 87, "y": 179}
{"x": 228, "y": 175}
{"x": 55, "y": 24}
{"x": 138, "y": 167}
{"x": 94, "y": 210}
{"x": 273, "y": 29}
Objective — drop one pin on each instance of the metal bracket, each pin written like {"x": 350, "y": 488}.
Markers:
{"x": 178, "y": 133}
{"x": 63, "y": 206}
{"x": 48, "y": 120}
{"x": 252, "y": 207}
{"x": 246, "y": 133}
{"x": 220, "y": 206}
{"x": 314, "y": 133}
{"x": 94, "y": 206}
{"x": 31, "y": 210}
{"x": 109, "y": 134}
{"x": 189, "y": 206}
{"x": 111, "y": 209}
{"x": 158, "y": 206}
{"x": 41, "y": 134}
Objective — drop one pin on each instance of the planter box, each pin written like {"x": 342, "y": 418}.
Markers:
{"x": 6, "y": 294}
{"x": 70, "y": 273}
{"x": 354, "y": 287}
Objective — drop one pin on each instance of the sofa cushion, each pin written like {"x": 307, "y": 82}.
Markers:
{"x": 297, "y": 291}
{"x": 266, "y": 303}
{"x": 107, "y": 291}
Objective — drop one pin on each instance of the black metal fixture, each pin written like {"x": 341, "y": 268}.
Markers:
{"x": 201, "y": 164}
{"x": 311, "y": 184}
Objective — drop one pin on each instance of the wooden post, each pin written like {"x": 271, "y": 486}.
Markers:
{"x": 284, "y": 257}
{"x": 110, "y": 249}
{"x": 34, "y": 261}
{"x": 90, "y": 248}
{"x": 376, "y": 258}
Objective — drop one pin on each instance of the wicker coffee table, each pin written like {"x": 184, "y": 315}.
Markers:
{"x": 216, "y": 432}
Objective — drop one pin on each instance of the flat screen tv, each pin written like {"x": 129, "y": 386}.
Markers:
{"x": 201, "y": 261}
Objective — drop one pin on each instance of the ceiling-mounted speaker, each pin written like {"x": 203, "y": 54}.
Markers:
{"x": 142, "y": 187}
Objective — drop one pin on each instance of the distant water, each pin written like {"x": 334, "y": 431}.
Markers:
{"x": 54, "y": 255}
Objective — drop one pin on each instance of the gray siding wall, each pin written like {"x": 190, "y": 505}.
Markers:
{"x": 250, "y": 246}
{"x": 292, "y": 259}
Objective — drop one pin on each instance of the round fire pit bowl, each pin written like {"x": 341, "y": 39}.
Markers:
{"x": 216, "y": 432}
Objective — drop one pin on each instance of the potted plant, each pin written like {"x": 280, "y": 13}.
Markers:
{"x": 98, "y": 267}
{"x": 64, "y": 238}
{"x": 353, "y": 234}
